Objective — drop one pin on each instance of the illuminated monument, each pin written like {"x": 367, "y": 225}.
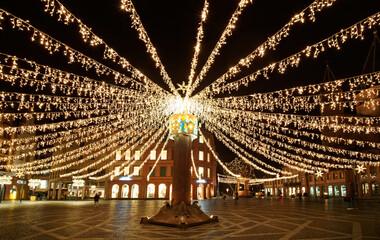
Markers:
{"x": 181, "y": 213}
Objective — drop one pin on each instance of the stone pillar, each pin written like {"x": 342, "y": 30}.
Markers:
{"x": 181, "y": 169}
{"x": 54, "y": 191}
{"x": 83, "y": 190}
{"x": 59, "y": 190}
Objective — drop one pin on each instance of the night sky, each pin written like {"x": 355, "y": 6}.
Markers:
{"x": 172, "y": 28}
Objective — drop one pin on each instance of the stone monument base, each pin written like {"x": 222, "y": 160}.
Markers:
{"x": 182, "y": 216}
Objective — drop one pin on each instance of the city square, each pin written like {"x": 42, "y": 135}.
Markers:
{"x": 246, "y": 218}
{"x": 233, "y": 119}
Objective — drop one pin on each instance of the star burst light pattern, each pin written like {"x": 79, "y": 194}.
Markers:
{"x": 76, "y": 122}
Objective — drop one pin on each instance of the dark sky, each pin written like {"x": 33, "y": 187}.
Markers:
{"x": 172, "y": 27}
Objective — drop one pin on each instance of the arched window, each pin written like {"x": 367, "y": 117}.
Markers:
{"x": 124, "y": 191}
{"x": 115, "y": 191}
{"x": 365, "y": 188}
{"x": 162, "y": 190}
{"x": 13, "y": 192}
{"x": 208, "y": 191}
{"x": 151, "y": 189}
{"x": 200, "y": 191}
{"x": 135, "y": 191}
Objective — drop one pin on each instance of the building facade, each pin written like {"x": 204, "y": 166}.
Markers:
{"x": 159, "y": 184}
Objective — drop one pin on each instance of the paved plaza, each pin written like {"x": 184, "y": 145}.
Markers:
{"x": 243, "y": 219}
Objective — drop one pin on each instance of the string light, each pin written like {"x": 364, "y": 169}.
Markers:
{"x": 53, "y": 45}
{"x": 88, "y": 36}
{"x": 197, "y": 47}
{"x": 127, "y": 5}
{"x": 222, "y": 41}
{"x": 281, "y": 34}
{"x": 355, "y": 31}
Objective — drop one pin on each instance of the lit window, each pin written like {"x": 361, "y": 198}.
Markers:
{"x": 208, "y": 157}
{"x": 200, "y": 155}
{"x": 162, "y": 190}
{"x": 343, "y": 190}
{"x": 137, "y": 155}
{"x": 164, "y": 155}
{"x": 117, "y": 171}
{"x": 153, "y": 155}
{"x": 201, "y": 139}
{"x": 191, "y": 171}
{"x": 208, "y": 172}
{"x": 126, "y": 171}
{"x": 375, "y": 189}
{"x": 118, "y": 155}
{"x": 365, "y": 188}
{"x": 151, "y": 189}
{"x": 311, "y": 191}
{"x": 330, "y": 188}
{"x": 336, "y": 190}
{"x": 136, "y": 171}
{"x": 201, "y": 171}
{"x": 128, "y": 155}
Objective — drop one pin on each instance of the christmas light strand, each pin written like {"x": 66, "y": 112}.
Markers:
{"x": 355, "y": 31}
{"x": 197, "y": 47}
{"x": 307, "y": 14}
{"x": 222, "y": 41}
{"x": 54, "y": 7}
{"x": 128, "y": 6}
{"x": 217, "y": 158}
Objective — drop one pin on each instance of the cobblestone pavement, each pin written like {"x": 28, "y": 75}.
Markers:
{"x": 243, "y": 219}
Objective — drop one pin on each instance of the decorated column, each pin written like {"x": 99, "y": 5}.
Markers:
{"x": 181, "y": 213}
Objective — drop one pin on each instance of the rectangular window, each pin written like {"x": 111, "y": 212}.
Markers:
{"x": 372, "y": 172}
{"x": 201, "y": 172}
{"x": 329, "y": 176}
{"x": 343, "y": 190}
{"x": 341, "y": 175}
{"x": 137, "y": 155}
{"x": 336, "y": 190}
{"x": 208, "y": 173}
{"x": 311, "y": 191}
{"x": 201, "y": 139}
{"x": 136, "y": 171}
{"x": 152, "y": 174}
{"x": 335, "y": 175}
{"x": 153, "y": 155}
{"x": 164, "y": 155}
{"x": 117, "y": 171}
{"x": 200, "y": 155}
{"x": 303, "y": 178}
{"x": 330, "y": 189}
{"x": 118, "y": 155}
{"x": 128, "y": 155}
{"x": 163, "y": 172}
{"x": 126, "y": 171}
{"x": 208, "y": 157}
